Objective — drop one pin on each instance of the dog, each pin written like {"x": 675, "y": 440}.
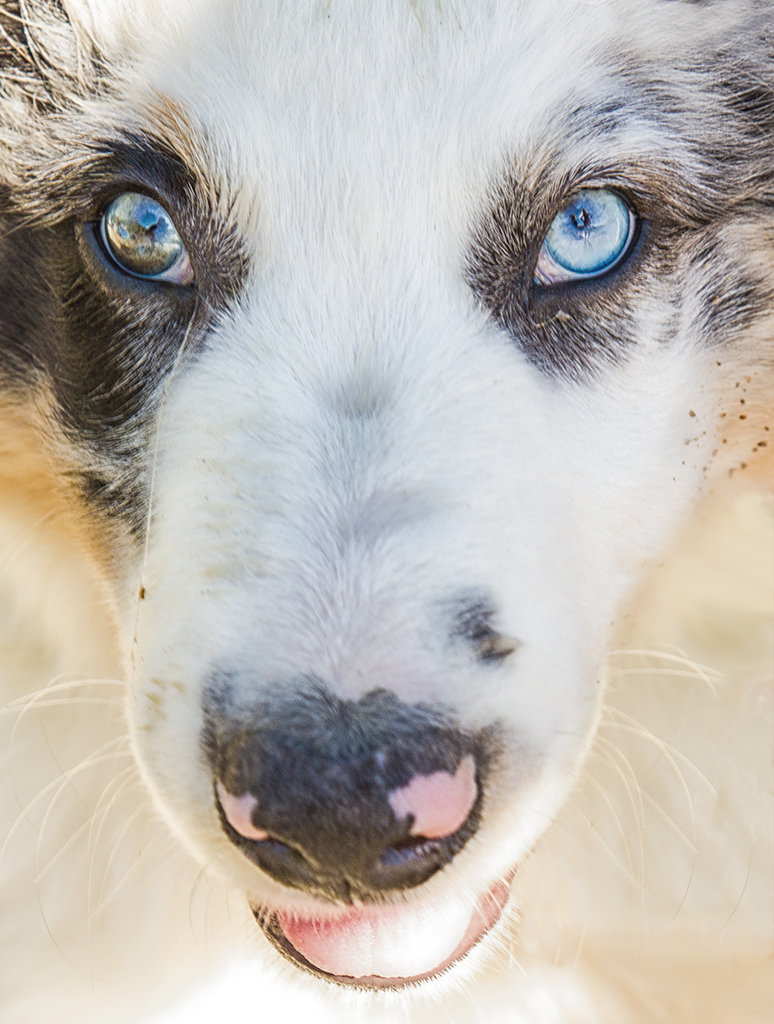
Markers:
{"x": 360, "y": 366}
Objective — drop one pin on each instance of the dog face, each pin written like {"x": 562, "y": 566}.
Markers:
{"x": 382, "y": 353}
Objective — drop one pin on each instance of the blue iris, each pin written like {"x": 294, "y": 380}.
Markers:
{"x": 587, "y": 239}
{"x": 141, "y": 237}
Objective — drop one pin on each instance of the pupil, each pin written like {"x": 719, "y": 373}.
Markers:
{"x": 150, "y": 224}
{"x": 581, "y": 219}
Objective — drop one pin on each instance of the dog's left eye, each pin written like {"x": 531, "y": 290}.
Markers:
{"x": 141, "y": 238}
{"x": 587, "y": 239}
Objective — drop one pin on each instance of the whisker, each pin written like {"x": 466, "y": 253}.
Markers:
{"x": 630, "y": 725}
{"x": 672, "y": 824}
{"x": 617, "y": 755}
{"x": 692, "y": 669}
{"x": 621, "y": 831}
{"x": 35, "y": 700}
{"x": 155, "y": 841}
{"x": 103, "y": 903}
{"x": 645, "y": 670}
{"x": 64, "y": 782}
{"x": 120, "y": 784}
{"x": 30, "y": 698}
{"x": 87, "y": 825}
{"x": 741, "y": 894}
{"x": 201, "y": 876}
{"x": 132, "y": 781}
{"x": 60, "y": 783}
{"x": 66, "y": 701}
{"x": 578, "y": 952}
{"x": 608, "y": 757}
{"x": 650, "y": 652}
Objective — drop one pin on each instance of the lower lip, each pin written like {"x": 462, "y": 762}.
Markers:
{"x": 338, "y": 940}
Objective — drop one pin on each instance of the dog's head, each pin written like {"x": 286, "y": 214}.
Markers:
{"x": 382, "y": 346}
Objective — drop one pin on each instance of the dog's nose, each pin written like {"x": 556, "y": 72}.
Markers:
{"x": 346, "y": 799}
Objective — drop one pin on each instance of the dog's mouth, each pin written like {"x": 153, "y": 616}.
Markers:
{"x": 384, "y": 947}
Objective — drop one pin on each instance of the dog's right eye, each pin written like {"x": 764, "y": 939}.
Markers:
{"x": 142, "y": 240}
{"x": 591, "y": 236}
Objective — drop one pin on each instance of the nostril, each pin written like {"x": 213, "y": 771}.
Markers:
{"x": 347, "y": 799}
{"x": 433, "y": 809}
{"x": 279, "y": 858}
{"x": 439, "y": 803}
{"x": 411, "y": 851}
{"x": 413, "y": 860}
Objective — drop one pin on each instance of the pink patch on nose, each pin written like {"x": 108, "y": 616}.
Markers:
{"x": 239, "y": 812}
{"x": 440, "y": 802}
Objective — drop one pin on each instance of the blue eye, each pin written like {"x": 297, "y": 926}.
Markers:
{"x": 140, "y": 236}
{"x": 587, "y": 239}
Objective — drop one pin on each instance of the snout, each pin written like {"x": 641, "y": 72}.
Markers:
{"x": 346, "y": 800}
{"x": 351, "y": 801}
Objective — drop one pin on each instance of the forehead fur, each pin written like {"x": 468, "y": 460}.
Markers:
{"x": 318, "y": 81}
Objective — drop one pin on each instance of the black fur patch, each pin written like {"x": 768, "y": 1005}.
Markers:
{"x": 473, "y": 622}
{"x": 13, "y": 38}
{"x": 100, "y": 341}
{"x": 718, "y": 110}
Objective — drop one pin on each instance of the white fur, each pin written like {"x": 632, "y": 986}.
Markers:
{"x": 357, "y": 444}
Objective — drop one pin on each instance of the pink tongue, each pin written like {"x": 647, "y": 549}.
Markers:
{"x": 389, "y": 942}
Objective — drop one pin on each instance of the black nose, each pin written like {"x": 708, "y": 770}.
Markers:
{"x": 346, "y": 799}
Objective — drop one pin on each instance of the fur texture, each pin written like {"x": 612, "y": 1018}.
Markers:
{"x": 366, "y": 459}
